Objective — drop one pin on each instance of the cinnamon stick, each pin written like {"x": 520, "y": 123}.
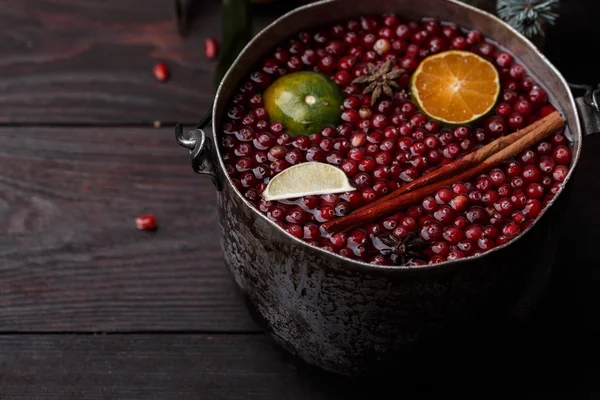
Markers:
{"x": 462, "y": 164}
{"x": 384, "y": 207}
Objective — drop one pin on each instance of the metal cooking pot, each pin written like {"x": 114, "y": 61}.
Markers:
{"x": 343, "y": 315}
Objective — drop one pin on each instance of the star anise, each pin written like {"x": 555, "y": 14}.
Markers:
{"x": 380, "y": 80}
{"x": 400, "y": 250}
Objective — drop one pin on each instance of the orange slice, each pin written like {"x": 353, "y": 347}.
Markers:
{"x": 456, "y": 87}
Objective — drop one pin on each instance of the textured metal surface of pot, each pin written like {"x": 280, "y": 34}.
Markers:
{"x": 344, "y": 319}
{"x": 344, "y": 315}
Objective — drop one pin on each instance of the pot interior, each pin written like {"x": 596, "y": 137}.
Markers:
{"x": 467, "y": 17}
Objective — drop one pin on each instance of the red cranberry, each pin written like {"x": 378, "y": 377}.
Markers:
{"x": 437, "y": 44}
{"x": 559, "y": 139}
{"x": 504, "y": 207}
{"x": 459, "y": 43}
{"x": 562, "y": 155}
{"x": 504, "y": 190}
{"x": 473, "y": 232}
{"x": 528, "y": 157}
{"x": 459, "y": 203}
{"x": 451, "y": 151}
{"x": 516, "y": 121}
{"x": 483, "y": 183}
{"x": 527, "y": 83}
{"x": 350, "y": 116}
{"x": 414, "y": 211}
{"x": 278, "y": 166}
{"x": 534, "y": 191}
{"x": 436, "y": 259}
{"x": 325, "y": 213}
{"x": 276, "y": 153}
{"x": 504, "y": 60}
{"x": 450, "y": 31}
{"x": 532, "y": 208}
{"x": 497, "y": 177}
{"x": 531, "y": 173}
{"x": 339, "y": 240}
{"x": 390, "y": 20}
{"x": 474, "y": 196}
{"x": 517, "y": 183}
{"x": 537, "y": 96}
{"x": 495, "y": 127}
{"x": 513, "y": 169}
{"x": 459, "y": 188}
{"x": 429, "y": 204}
{"x": 403, "y": 32}
{"x": 444, "y": 195}
{"x": 356, "y": 154}
{"x": 409, "y": 174}
{"x": 379, "y": 121}
{"x": 440, "y": 248}
{"x": 342, "y": 78}
{"x": 489, "y": 198}
{"x": 366, "y": 165}
{"x": 517, "y": 72}
{"x": 294, "y": 157}
{"x": 453, "y": 235}
{"x": 523, "y": 107}
{"x": 477, "y": 215}
{"x": 518, "y": 199}
{"x": 362, "y": 180}
{"x": 432, "y": 231}
{"x": 409, "y": 223}
{"x": 445, "y": 214}
{"x": 284, "y": 139}
{"x": 408, "y": 63}
{"x": 511, "y": 229}
{"x": 560, "y": 173}
{"x": 161, "y": 71}
{"x": 546, "y": 110}
{"x": 485, "y": 243}
{"x": 349, "y": 167}
{"x": 504, "y": 110}
{"x": 474, "y": 37}
{"x": 327, "y": 64}
{"x": 487, "y": 50}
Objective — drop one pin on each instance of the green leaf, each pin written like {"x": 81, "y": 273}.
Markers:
{"x": 236, "y": 33}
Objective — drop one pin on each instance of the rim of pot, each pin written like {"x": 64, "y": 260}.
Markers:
{"x": 575, "y": 130}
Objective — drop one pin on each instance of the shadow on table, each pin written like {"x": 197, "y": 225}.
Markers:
{"x": 551, "y": 354}
{"x": 539, "y": 362}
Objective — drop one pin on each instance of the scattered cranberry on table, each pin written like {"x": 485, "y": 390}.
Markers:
{"x": 146, "y": 222}
{"x": 211, "y": 48}
{"x": 383, "y": 145}
{"x": 161, "y": 71}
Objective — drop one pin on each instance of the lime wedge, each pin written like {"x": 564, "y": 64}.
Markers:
{"x": 306, "y": 179}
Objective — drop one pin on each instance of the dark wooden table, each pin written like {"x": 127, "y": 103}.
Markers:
{"x": 91, "y": 308}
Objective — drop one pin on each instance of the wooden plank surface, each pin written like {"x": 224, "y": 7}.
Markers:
{"x": 90, "y": 62}
{"x": 222, "y": 367}
{"x": 71, "y": 258}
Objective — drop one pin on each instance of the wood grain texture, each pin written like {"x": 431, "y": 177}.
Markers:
{"x": 91, "y": 62}
{"x": 71, "y": 258}
{"x": 71, "y": 61}
{"x": 181, "y": 367}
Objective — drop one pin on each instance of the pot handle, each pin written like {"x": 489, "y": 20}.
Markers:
{"x": 201, "y": 150}
{"x": 588, "y": 106}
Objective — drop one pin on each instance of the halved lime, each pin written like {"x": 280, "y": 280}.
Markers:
{"x": 306, "y": 179}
